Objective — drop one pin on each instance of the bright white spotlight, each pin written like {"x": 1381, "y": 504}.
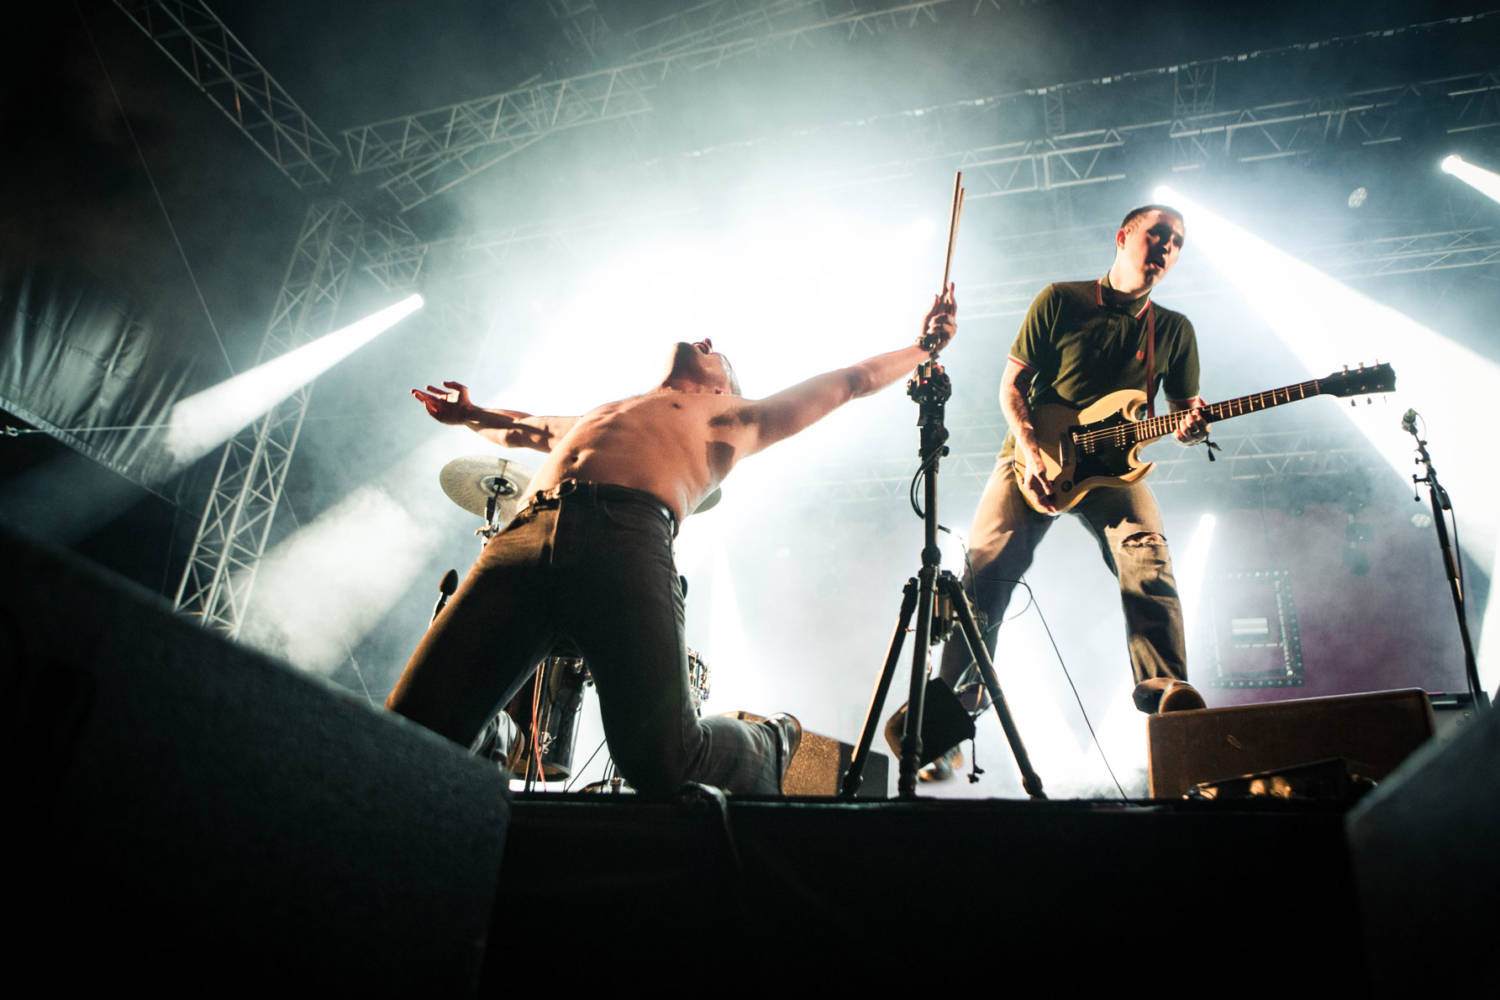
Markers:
{"x": 1194, "y": 565}
{"x": 1327, "y": 324}
{"x": 207, "y": 419}
{"x": 1484, "y": 181}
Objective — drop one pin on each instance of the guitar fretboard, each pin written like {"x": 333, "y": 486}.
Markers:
{"x": 1151, "y": 428}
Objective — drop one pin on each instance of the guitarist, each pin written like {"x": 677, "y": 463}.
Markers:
{"x": 1080, "y": 341}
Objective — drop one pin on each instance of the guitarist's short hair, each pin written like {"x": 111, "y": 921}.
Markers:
{"x": 1128, "y": 223}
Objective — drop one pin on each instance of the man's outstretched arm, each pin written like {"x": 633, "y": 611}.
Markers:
{"x": 507, "y": 428}
{"x": 778, "y": 417}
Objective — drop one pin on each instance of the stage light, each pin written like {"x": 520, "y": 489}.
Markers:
{"x": 1485, "y": 181}
{"x": 1193, "y": 565}
{"x": 207, "y": 419}
{"x": 1327, "y": 324}
{"x": 320, "y": 591}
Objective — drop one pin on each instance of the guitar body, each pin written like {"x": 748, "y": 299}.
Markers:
{"x": 1107, "y": 460}
{"x": 1099, "y": 446}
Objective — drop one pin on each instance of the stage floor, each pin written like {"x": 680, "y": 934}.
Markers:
{"x": 1094, "y": 890}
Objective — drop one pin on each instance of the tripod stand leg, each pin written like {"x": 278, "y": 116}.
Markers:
{"x": 852, "y": 778}
{"x": 1030, "y": 780}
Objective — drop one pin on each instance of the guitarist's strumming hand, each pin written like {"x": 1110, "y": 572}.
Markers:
{"x": 1036, "y": 483}
{"x": 1014, "y": 386}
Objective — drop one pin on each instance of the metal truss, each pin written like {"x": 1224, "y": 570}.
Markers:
{"x": 457, "y": 260}
{"x": 1055, "y": 160}
{"x": 392, "y": 253}
{"x": 200, "y": 45}
{"x": 1372, "y": 258}
{"x": 221, "y": 566}
{"x": 423, "y": 154}
{"x": 582, "y": 24}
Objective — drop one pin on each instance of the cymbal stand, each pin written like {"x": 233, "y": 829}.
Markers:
{"x": 932, "y": 585}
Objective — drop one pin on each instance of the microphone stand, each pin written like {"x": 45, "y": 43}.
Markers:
{"x": 930, "y": 388}
{"x": 1439, "y": 500}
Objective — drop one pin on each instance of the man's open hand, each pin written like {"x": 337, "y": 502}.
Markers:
{"x": 449, "y": 405}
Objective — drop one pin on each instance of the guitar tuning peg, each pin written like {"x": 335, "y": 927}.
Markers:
{"x": 1369, "y": 400}
{"x": 1352, "y": 402}
{"x": 1361, "y": 366}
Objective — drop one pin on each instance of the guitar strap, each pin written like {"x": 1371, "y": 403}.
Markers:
{"x": 1150, "y": 348}
{"x": 1150, "y": 360}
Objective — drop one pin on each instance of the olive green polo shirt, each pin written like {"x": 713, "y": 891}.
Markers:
{"x": 1080, "y": 350}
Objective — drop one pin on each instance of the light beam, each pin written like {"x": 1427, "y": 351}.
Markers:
{"x": 1484, "y": 181}
{"x": 1325, "y": 324}
{"x": 205, "y": 420}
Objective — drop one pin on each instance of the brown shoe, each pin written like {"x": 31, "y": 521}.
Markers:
{"x": 1180, "y": 696}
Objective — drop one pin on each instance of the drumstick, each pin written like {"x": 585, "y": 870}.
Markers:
{"x": 958, "y": 208}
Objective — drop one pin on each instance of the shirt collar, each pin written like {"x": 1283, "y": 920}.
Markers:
{"x": 1144, "y": 302}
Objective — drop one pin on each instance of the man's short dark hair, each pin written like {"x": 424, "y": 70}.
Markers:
{"x": 1136, "y": 213}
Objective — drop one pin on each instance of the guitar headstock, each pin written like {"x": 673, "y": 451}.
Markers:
{"x": 1359, "y": 381}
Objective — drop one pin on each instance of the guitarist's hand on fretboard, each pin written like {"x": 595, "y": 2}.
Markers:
{"x": 1192, "y": 428}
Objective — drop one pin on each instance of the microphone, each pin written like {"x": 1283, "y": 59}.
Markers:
{"x": 1409, "y": 422}
{"x": 445, "y": 591}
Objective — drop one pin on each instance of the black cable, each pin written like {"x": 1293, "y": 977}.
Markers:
{"x": 1088, "y": 723}
{"x": 1081, "y": 710}
{"x": 579, "y": 773}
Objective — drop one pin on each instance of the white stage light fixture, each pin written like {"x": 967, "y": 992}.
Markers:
{"x": 207, "y": 419}
{"x": 1484, "y": 181}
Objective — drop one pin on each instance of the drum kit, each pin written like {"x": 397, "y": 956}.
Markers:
{"x": 534, "y": 736}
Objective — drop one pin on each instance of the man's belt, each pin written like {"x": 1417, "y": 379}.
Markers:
{"x": 601, "y": 491}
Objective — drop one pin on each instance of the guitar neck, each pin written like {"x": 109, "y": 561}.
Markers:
{"x": 1152, "y": 428}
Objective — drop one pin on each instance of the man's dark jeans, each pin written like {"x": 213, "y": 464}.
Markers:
{"x": 596, "y": 569}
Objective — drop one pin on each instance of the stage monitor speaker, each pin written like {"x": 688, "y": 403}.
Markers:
{"x": 817, "y": 769}
{"x": 189, "y": 814}
{"x": 1422, "y": 847}
{"x": 1378, "y": 729}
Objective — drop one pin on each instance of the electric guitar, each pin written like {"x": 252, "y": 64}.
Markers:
{"x": 1098, "y": 446}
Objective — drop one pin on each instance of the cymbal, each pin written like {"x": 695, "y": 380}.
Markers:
{"x": 709, "y": 501}
{"x": 471, "y": 481}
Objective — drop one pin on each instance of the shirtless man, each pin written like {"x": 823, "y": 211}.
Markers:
{"x": 589, "y": 557}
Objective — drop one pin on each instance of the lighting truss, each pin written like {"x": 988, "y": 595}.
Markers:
{"x": 582, "y": 25}
{"x": 200, "y": 45}
{"x": 421, "y": 155}
{"x": 456, "y": 261}
{"x": 220, "y": 573}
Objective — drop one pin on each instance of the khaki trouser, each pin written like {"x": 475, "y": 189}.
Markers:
{"x": 1127, "y": 525}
